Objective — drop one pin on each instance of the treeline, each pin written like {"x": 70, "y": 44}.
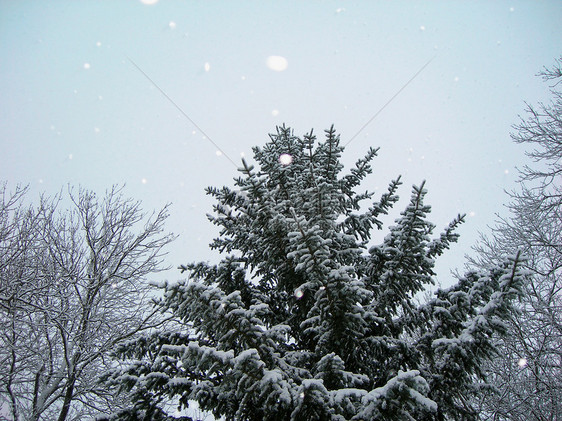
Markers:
{"x": 303, "y": 317}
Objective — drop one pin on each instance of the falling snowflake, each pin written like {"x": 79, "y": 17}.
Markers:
{"x": 144, "y": 181}
{"x": 277, "y": 63}
{"x": 299, "y": 294}
{"x": 218, "y": 153}
{"x": 207, "y": 66}
{"x": 87, "y": 66}
{"x": 172, "y": 25}
{"x": 285, "y": 159}
{"x": 275, "y": 113}
{"x": 522, "y": 362}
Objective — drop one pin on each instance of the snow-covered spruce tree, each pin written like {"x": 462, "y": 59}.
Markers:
{"x": 303, "y": 320}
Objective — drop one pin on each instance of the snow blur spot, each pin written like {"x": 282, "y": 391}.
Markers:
{"x": 149, "y": 2}
{"x": 322, "y": 288}
{"x": 299, "y": 294}
{"x": 285, "y": 159}
{"x": 242, "y": 154}
{"x": 172, "y": 24}
{"x": 114, "y": 285}
{"x": 218, "y": 153}
{"x": 511, "y": 9}
{"x": 277, "y": 63}
{"x": 40, "y": 181}
{"x": 70, "y": 156}
{"x": 499, "y": 43}
{"x": 506, "y": 172}
{"x": 243, "y": 78}
{"x": 96, "y": 129}
{"x": 100, "y": 97}
{"x": 472, "y": 214}
{"x": 193, "y": 132}
{"x": 98, "y": 44}
{"x": 275, "y": 113}
{"x": 522, "y": 362}
{"x": 207, "y": 66}
{"x": 456, "y": 79}
{"x": 302, "y": 395}
{"x": 87, "y": 66}
{"x": 144, "y": 181}
{"x": 75, "y": 91}
{"x": 422, "y": 28}
{"x": 340, "y": 9}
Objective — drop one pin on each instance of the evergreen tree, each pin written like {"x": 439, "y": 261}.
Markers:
{"x": 304, "y": 319}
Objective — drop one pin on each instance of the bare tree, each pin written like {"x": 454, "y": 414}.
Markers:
{"x": 73, "y": 284}
{"x": 528, "y": 370}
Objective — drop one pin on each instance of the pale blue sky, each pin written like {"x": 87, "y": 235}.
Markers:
{"x": 75, "y": 110}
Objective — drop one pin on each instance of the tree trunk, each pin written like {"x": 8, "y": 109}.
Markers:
{"x": 67, "y": 398}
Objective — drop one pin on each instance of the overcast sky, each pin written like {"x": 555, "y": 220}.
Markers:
{"x": 75, "y": 110}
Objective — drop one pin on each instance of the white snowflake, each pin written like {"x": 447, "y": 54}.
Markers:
{"x": 277, "y": 63}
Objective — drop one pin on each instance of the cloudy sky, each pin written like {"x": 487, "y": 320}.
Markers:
{"x": 76, "y": 110}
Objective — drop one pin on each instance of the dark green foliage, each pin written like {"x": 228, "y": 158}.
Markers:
{"x": 303, "y": 320}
